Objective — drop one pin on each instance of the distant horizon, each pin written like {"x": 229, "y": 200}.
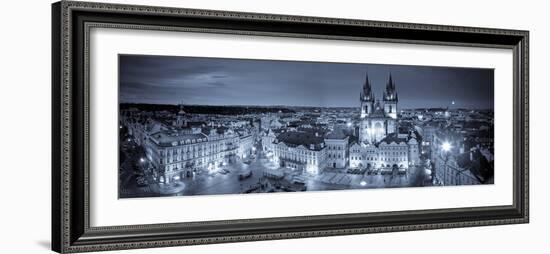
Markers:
{"x": 224, "y": 82}
{"x": 292, "y": 106}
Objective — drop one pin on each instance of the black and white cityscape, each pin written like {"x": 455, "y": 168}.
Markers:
{"x": 209, "y": 126}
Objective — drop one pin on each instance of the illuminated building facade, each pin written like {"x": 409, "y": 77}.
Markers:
{"x": 246, "y": 145}
{"x": 379, "y": 144}
{"x": 377, "y": 120}
{"x": 175, "y": 154}
{"x": 301, "y": 150}
{"x": 337, "y": 149}
{"x": 267, "y": 140}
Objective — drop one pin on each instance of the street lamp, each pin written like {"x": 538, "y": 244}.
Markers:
{"x": 446, "y": 146}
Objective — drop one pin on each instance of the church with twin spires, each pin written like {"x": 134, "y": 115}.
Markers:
{"x": 377, "y": 119}
{"x": 379, "y": 144}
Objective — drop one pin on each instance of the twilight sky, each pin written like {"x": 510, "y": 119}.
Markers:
{"x": 218, "y": 81}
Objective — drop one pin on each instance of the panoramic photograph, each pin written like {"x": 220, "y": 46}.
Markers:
{"x": 212, "y": 126}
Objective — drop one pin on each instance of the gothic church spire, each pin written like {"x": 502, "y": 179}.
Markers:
{"x": 367, "y": 94}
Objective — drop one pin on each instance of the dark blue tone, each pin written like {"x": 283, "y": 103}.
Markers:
{"x": 218, "y": 81}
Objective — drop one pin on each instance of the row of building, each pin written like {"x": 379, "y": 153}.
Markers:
{"x": 374, "y": 141}
{"x": 375, "y": 136}
{"x": 179, "y": 148}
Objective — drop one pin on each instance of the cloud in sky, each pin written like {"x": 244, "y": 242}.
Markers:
{"x": 219, "y": 81}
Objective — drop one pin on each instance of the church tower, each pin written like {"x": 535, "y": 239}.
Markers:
{"x": 390, "y": 99}
{"x": 180, "y": 117}
{"x": 366, "y": 98}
